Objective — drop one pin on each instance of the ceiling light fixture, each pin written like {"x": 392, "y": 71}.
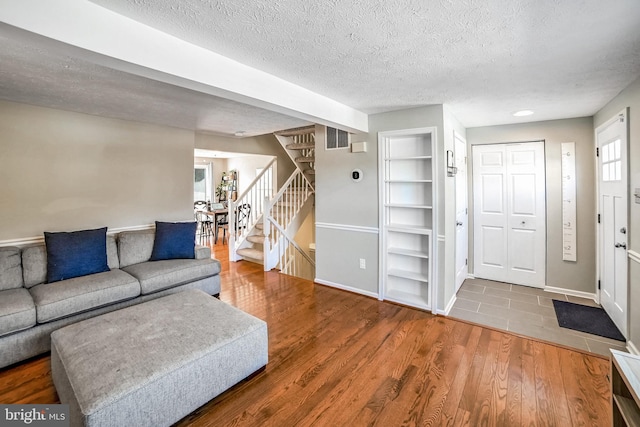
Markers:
{"x": 523, "y": 113}
{"x": 239, "y": 133}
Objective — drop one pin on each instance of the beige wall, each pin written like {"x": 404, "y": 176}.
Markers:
{"x": 630, "y": 98}
{"x": 68, "y": 171}
{"x": 576, "y": 276}
{"x": 246, "y": 167}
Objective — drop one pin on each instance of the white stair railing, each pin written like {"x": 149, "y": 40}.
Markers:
{"x": 292, "y": 259}
{"x": 283, "y": 210}
{"x": 253, "y": 200}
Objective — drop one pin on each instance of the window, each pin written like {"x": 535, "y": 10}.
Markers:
{"x": 202, "y": 182}
{"x": 337, "y": 138}
{"x": 611, "y": 161}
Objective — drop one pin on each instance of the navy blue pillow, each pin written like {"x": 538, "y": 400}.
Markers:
{"x": 174, "y": 240}
{"x": 76, "y": 254}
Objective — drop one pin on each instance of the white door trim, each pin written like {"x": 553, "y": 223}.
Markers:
{"x": 465, "y": 272}
{"x": 599, "y": 241}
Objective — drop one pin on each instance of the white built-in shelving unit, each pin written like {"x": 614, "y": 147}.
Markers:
{"x": 406, "y": 217}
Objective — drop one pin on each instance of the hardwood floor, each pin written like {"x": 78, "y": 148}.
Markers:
{"x": 341, "y": 359}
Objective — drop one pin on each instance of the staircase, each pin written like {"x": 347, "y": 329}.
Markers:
{"x": 300, "y": 145}
{"x": 268, "y": 236}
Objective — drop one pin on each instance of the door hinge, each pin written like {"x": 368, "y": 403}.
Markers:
{"x": 598, "y": 218}
{"x": 621, "y": 118}
{"x": 597, "y": 152}
{"x": 465, "y": 261}
{"x": 598, "y": 284}
{"x": 466, "y": 211}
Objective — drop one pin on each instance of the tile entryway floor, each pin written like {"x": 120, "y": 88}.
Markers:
{"x": 525, "y": 311}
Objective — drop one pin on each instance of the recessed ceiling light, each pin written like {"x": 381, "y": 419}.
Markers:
{"x": 523, "y": 113}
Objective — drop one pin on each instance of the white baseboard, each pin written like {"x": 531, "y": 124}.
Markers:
{"x": 571, "y": 292}
{"x": 471, "y": 276}
{"x": 346, "y": 288}
{"x": 25, "y": 241}
{"x": 448, "y": 308}
{"x": 632, "y": 348}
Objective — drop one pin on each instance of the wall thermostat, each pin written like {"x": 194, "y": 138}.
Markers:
{"x": 356, "y": 175}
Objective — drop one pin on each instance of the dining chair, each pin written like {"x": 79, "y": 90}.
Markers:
{"x": 205, "y": 225}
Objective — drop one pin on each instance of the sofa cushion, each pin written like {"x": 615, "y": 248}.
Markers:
{"x": 10, "y": 268}
{"x": 174, "y": 240}
{"x": 34, "y": 265}
{"x": 203, "y": 252}
{"x": 112, "y": 252}
{"x": 34, "y": 262}
{"x": 155, "y": 276}
{"x": 60, "y": 299}
{"x": 135, "y": 247}
{"x": 76, "y": 253}
{"x": 17, "y": 311}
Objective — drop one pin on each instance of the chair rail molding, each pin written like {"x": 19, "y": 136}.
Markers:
{"x": 347, "y": 227}
{"x": 25, "y": 241}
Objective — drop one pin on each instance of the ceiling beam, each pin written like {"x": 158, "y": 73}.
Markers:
{"x": 109, "y": 39}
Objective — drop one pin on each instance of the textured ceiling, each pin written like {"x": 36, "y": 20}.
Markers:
{"x": 484, "y": 59}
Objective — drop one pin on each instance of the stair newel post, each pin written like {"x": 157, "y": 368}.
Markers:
{"x": 232, "y": 230}
{"x": 266, "y": 230}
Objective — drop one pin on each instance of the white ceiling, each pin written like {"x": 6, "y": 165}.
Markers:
{"x": 484, "y": 59}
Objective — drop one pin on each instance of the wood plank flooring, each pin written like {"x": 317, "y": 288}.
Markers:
{"x": 341, "y": 359}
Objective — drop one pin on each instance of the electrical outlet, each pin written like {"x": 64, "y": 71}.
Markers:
{"x": 363, "y": 263}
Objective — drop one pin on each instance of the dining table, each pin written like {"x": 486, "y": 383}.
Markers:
{"x": 215, "y": 214}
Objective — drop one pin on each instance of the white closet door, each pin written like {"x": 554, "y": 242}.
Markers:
{"x": 509, "y": 207}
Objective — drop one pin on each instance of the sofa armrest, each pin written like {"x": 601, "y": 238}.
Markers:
{"x": 203, "y": 252}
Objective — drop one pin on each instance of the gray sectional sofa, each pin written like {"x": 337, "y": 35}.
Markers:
{"x": 30, "y": 308}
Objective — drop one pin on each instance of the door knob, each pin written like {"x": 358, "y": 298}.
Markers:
{"x": 621, "y": 245}
{"x": 458, "y": 223}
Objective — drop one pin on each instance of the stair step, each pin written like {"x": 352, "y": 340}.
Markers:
{"x": 301, "y": 146}
{"x": 310, "y": 171}
{"x": 297, "y": 131}
{"x": 256, "y": 238}
{"x": 259, "y": 225}
{"x": 251, "y": 253}
{"x": 306, "y": 159}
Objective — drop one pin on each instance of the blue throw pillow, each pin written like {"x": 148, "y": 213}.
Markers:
{"x": 174, "y": 240}
{"x": 76, "y": 254}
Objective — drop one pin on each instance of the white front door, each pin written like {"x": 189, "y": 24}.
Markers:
{"x": 611, "y": 138}
{"x": 462, "y": 237}
{"x": 510, "y": 213}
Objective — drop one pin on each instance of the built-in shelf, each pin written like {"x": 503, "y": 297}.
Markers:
{"x": 625, "y": 388}
{"x": 410, "y": 158}
{"x": 411, "y": 275}
{"x": 407, "y": 195}
{"x": 407, "y": 298}
{"x": 409, "y": 181}
{"x": 407, "y": 206}
{"x": 399, "y": 228}
{"x": 407, "y": 252}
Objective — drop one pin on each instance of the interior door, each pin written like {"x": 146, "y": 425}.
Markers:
{"x": 462, "y": 237}
{"x": 510, "y": 213}
{"x": 611, "y": 138}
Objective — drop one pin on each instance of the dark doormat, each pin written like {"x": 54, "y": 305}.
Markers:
{"x": 592, "y": 320}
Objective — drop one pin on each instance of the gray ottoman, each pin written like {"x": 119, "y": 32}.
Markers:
{"x": 154, "y": 363}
